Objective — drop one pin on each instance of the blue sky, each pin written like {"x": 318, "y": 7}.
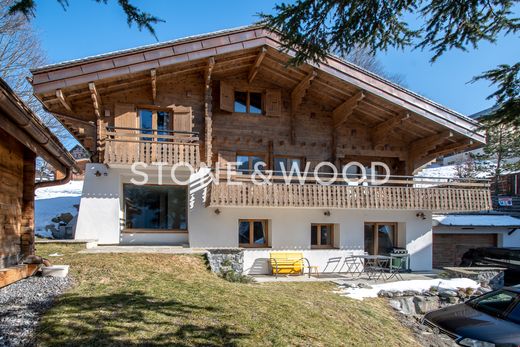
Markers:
{"x": 88, "y": 28}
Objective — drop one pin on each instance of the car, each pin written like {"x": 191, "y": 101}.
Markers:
{"x": 492, "y": 319}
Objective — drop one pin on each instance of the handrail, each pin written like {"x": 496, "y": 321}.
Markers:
{"x": 112, "y": 128}
{"x": 309, "y": 178}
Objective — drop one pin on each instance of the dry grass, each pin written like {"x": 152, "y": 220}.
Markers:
{"x": 160, "y": 300}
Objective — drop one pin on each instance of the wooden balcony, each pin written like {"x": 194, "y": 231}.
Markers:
{"x": 437, "y": 195}
{"x": 125, "y": 146}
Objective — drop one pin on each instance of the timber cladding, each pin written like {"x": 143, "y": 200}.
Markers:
{"x": 17, "y": 174}
{"x": 11, "y": 195}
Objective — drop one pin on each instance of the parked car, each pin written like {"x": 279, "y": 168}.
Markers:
{"x": 492, "y": 319}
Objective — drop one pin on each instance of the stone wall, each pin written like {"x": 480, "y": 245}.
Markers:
{"x": 223, "y": 260}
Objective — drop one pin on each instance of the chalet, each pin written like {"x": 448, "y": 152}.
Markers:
{"x": 22, "y": 137}
{"x": 230, "y": 97}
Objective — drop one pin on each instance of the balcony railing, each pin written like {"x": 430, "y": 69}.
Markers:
{"x": 399, "y": 193}
{"x": 128, "y": 145}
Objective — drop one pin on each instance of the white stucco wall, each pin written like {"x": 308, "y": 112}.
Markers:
{"x": 289, "y": 228}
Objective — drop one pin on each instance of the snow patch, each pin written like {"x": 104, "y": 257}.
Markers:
{"x": 415, "y": 285}
{"x": 51, "y": 202}
{"x": 476, "y": 220}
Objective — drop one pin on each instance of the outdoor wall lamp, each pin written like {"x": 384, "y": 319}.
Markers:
{"x": 217, "y": 211}
{"x": 326, "y": 213}
{"x": 420, "y": 215}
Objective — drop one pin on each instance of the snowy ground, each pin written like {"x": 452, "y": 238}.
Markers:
{"x": 413, "y": 285}
{"x": 52, "y": 201}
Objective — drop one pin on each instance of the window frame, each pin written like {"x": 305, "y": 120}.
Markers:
{"x": 251, "y": 243}
{"x": 318, "y": 236}
{"x": 250, "y": 162}
{"x": 289, "y": 157}
{"x": 248, "y": 101}
{"x": 126, "y": 230}
{"x": 154, "y": 129}
{"x": 395, "y": 234}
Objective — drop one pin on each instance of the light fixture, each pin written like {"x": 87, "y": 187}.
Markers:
{"x": 326, "y": 213}
{"x": 217, "y": 211}
{"x": 420, "y": 215}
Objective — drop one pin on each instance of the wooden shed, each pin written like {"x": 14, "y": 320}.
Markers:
{"x": 23, "y": 137}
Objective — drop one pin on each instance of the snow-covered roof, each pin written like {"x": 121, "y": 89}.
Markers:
{"x": 482, "y": 220}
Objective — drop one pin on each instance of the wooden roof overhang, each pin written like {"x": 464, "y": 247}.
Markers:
{"x": 347, "y": 90}
{"x": 19, "y": 121}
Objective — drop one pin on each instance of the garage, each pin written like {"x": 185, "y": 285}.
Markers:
{"x": 449, "y": 248}
{"x": 455, "y": 234}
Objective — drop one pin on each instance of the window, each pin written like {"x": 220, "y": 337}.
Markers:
{"x": 247, "y": 162}
{"x": 497, "y": 303}
{"x": 380, "y": 238}
{"x": 150, "y": 120}
{"x": 252, "y": 233}
{"x": 155, "y": 207}
{"x": 322, "y": 235}
{"x": 287, "y": 163}
{"x": 248, "y": 102}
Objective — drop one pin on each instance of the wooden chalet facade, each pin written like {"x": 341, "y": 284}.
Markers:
{"x": 230, "y": 97}
{"x": 22, "y": 137}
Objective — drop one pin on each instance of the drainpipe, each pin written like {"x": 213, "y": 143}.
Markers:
{"x": 66, "y": 179}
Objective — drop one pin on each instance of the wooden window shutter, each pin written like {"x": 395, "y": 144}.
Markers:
{"x": 182, "y": 118}
{"x": 225, "y": 157}
{"x": 227, "y": 97}
{"x": 273, "y": 102}
{"x": 125, "y": 116}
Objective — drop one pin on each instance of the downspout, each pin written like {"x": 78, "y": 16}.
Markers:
{"x": 66, "y": 179}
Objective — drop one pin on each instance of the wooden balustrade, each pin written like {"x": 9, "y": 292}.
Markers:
{"x": 127, "y": 146}
{"x": 439, "y": 199}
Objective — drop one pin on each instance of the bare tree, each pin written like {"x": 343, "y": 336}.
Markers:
{"x": 361, "y": 56}
{"x": 19, "y": 51}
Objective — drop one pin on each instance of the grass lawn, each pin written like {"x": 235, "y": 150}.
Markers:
{"x": 160, "y": 299}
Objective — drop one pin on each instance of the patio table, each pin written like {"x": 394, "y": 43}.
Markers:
{"x": 375, "y": 266}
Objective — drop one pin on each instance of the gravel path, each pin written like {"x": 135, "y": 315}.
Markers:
{"x": 21, "y": 305}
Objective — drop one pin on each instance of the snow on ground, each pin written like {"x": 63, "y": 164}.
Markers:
{"x": 51, "y": 202}
{"x": 415, "y": 285}
{"x": 476, "y": 220}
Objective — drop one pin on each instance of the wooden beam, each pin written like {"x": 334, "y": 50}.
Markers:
{"x": 419, "y": 149}
{"x": 298, "y": 93}
{"x": 256, "y": 65}
{"x": 96, "y": 99}
{"x": 422, "y": 146}
{"x": 153, "y": 75}
{"x": 345, "y": 110}
{"x": 454, "y": 147}
{"x": 382, "y": 131}
{"x": 73, "y": 120}
{"x": 208, "y": 114}
{"x": 62, "y": 100}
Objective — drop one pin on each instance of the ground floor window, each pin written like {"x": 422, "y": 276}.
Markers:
{"x": 380, "y": 238}
{"x": 322, "y": 235}
{"x": 252, "y": 233}
{"x": 155, "y": 207}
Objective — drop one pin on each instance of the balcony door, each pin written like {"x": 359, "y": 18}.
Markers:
{"x": 380, "y": 238}
{"x": 157, "y": 122}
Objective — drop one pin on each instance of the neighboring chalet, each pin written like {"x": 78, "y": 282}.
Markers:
{"x": 22, "y": 137}
{"x": 455, "y": 234}
{"x": 229, "y": 96}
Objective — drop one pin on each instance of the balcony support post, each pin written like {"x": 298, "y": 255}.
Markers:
{"x": 208, "y": 113}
